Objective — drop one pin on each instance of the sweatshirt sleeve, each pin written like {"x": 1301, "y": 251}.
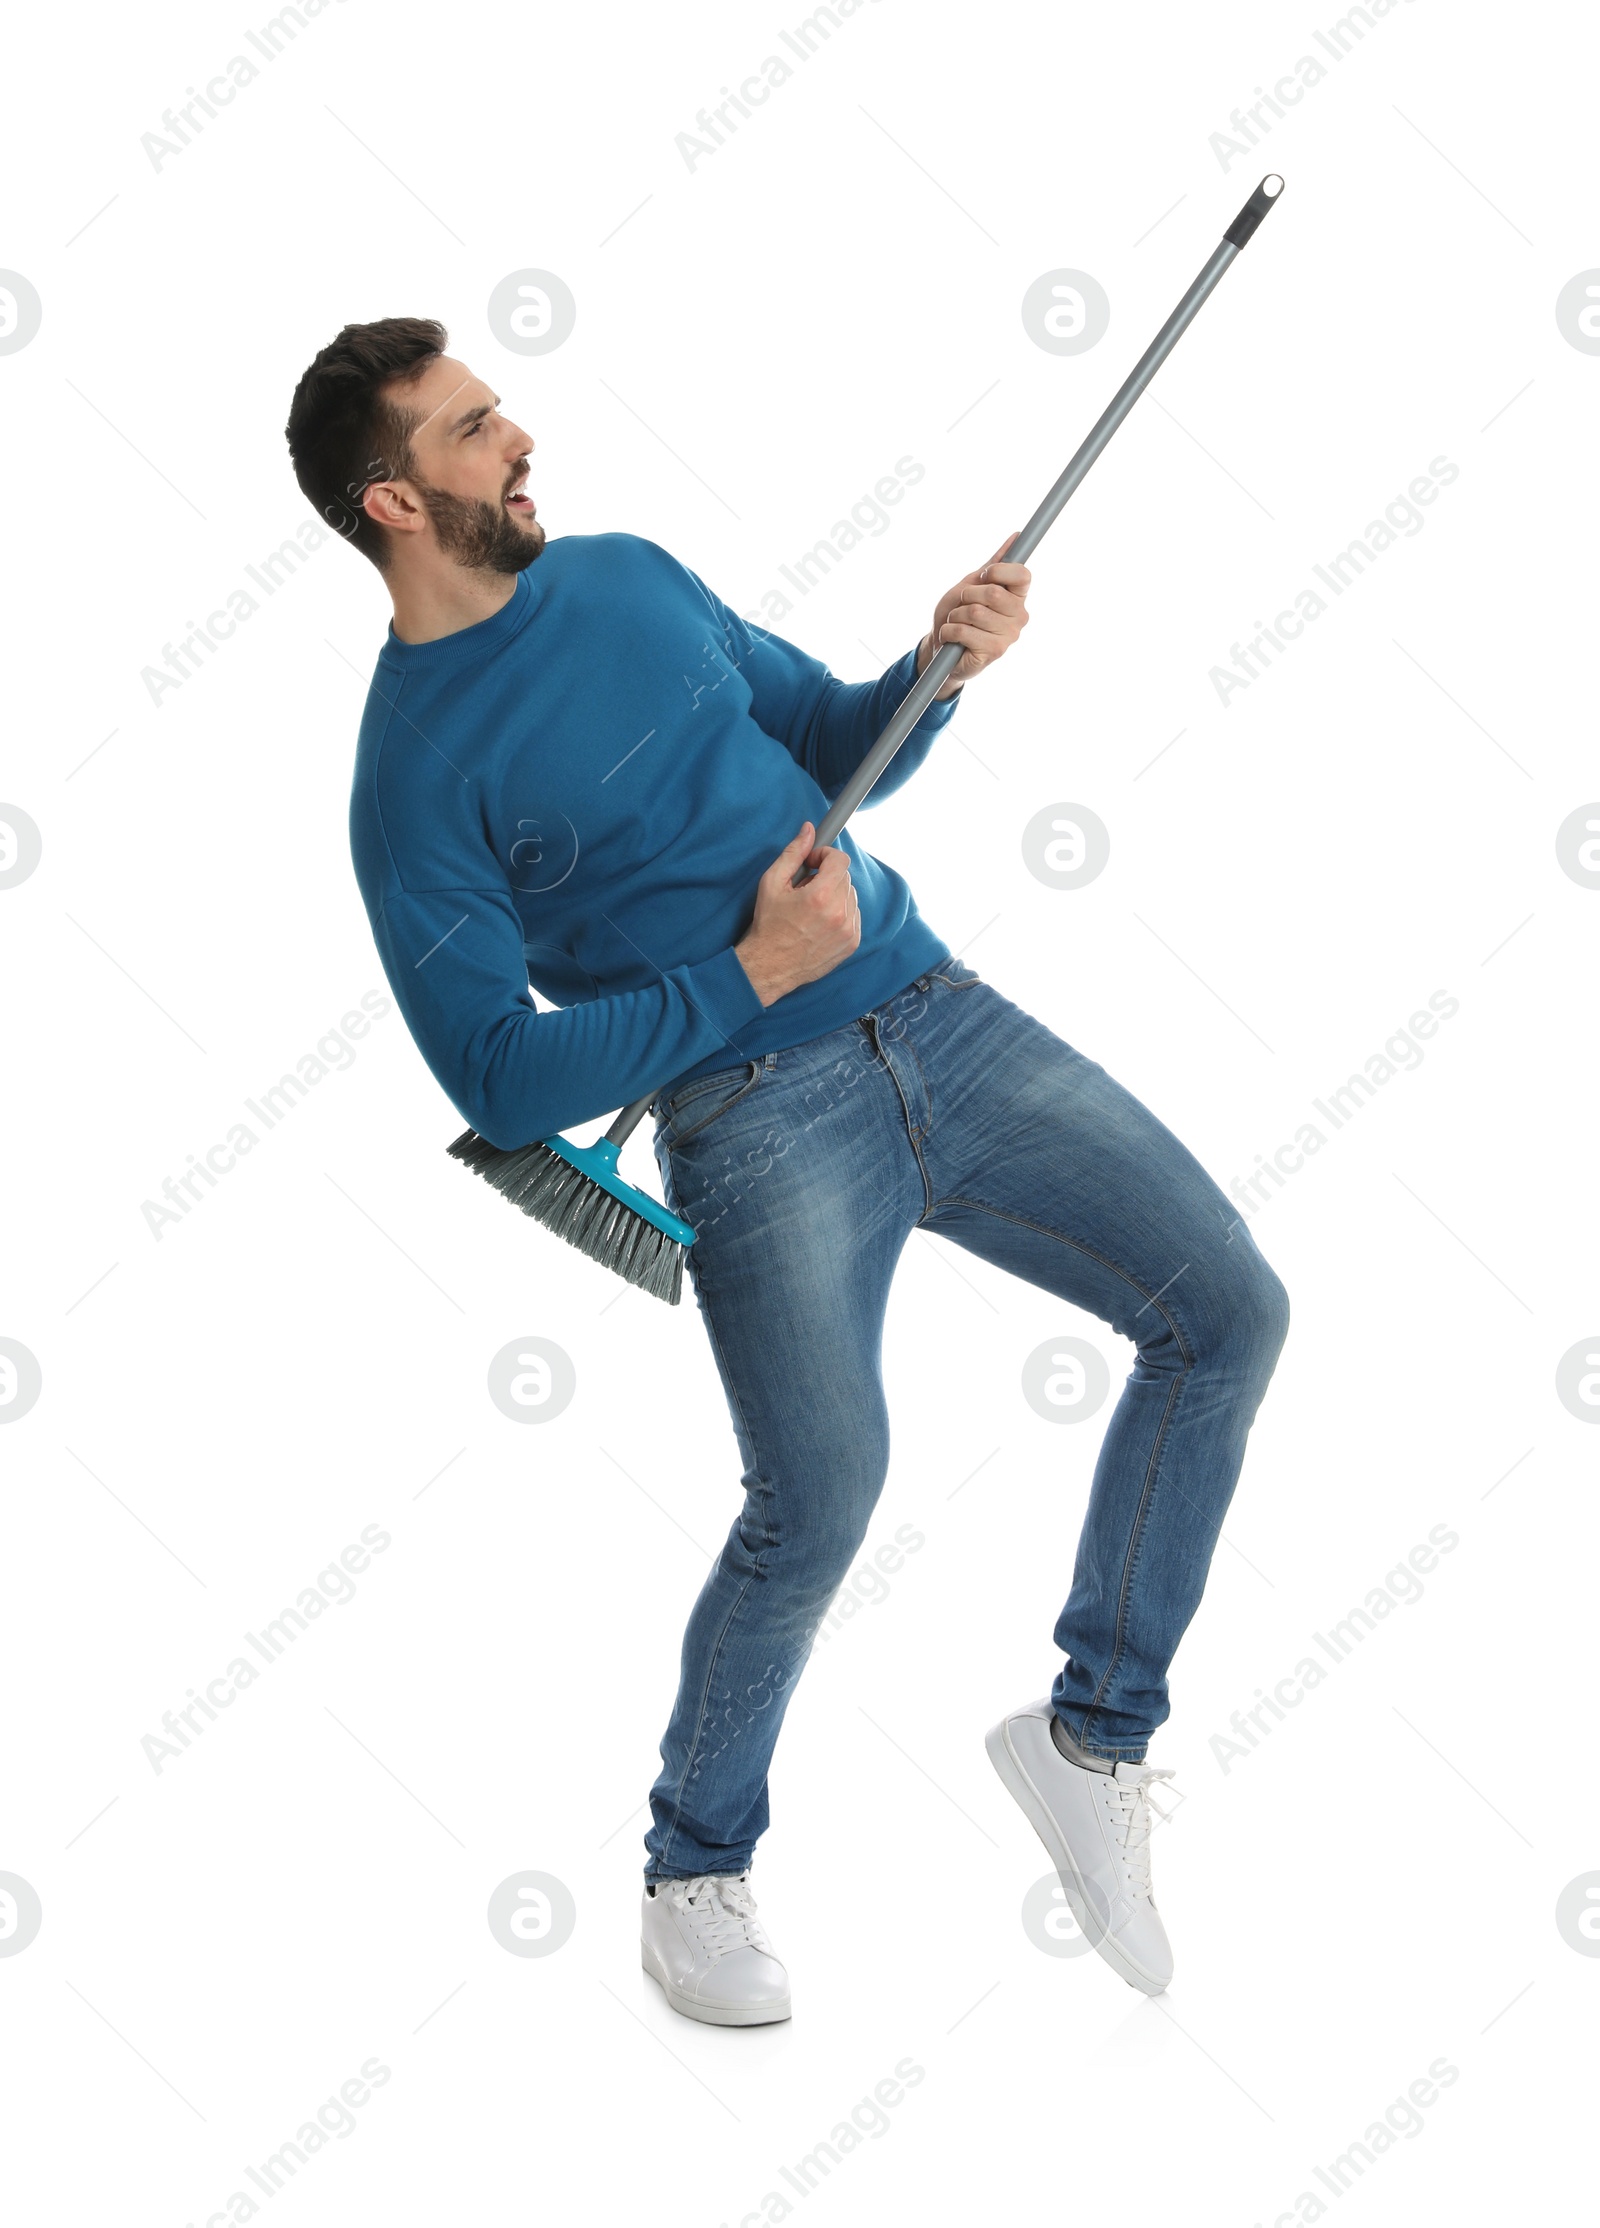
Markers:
{"x": 454, "y": 960}
{"x": 826, "y": 725}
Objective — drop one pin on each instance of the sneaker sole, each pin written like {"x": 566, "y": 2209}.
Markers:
{"x": 716, "y": 2015}
{"x": 1015, "y": 1780}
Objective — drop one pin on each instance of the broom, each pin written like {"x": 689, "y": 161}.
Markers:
{"x": 575, "y": 1190}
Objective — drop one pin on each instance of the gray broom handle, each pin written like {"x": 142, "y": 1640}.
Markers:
{"x": 945, "y": 660}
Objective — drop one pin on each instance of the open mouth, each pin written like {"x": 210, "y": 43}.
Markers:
{"x": 520, "y": 500}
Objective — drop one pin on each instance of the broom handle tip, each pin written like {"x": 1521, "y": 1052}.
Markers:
{"x": 1258, "y": 205}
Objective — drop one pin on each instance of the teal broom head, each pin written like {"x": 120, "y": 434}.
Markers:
{"x": 575, "y": 1191}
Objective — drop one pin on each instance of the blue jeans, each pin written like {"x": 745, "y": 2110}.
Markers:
{"x": 804, "y": 1172}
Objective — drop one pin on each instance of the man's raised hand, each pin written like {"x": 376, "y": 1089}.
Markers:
{"x": 985, "y": 613}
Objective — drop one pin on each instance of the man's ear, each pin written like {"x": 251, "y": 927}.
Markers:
{"x": 391, "y": 503}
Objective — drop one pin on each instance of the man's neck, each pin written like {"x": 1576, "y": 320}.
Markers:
{"x": 443, "y": 603}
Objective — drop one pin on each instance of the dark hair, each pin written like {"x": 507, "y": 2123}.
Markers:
{"x": 346, "y": 431}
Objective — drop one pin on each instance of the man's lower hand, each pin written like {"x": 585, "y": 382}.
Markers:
{"x": 799, "y": 934}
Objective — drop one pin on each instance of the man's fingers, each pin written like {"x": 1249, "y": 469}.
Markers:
{"x": 970, "y": 639}
{"x": 834, "y": 868}
{"x": 998, "y": 598}
{"x": 981, "y": 618}
{"x": 985, "y": 572}
{"x": 819, "y": 862}
{"x": 988, "y": 610}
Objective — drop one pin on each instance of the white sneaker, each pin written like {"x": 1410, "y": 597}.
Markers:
{"x": 704, "y": 1944}
{"x": 1096, "y": 1826}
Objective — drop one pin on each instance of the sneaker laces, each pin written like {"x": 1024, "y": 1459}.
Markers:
{"x": 722, "y": 1910}
{"x": 1130, "y": 1807}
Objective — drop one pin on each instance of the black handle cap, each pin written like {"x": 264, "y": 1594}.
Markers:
{"x": 1254, "y": 209}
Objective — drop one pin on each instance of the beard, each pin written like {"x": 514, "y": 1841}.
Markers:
{"x": 483, "y": 536}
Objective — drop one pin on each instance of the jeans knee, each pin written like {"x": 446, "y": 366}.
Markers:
{"x": 823, "y": 1531}
{"x": 1261, "y": 1321}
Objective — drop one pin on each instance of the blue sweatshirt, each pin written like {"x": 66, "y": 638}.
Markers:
{"x": 582, "y": 793}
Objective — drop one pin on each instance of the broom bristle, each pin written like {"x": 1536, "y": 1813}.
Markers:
{"x": 548, "y": 1187}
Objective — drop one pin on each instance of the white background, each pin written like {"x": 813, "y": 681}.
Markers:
{"x": 1372, "y": 1888}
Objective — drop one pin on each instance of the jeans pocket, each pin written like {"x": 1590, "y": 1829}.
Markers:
{"x": 705, "y": 1097}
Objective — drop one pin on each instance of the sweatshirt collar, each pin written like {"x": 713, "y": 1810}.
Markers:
{"x": 468, "y": 645}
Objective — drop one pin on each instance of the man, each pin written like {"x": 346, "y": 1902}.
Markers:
{"x": 578, "y": 768}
